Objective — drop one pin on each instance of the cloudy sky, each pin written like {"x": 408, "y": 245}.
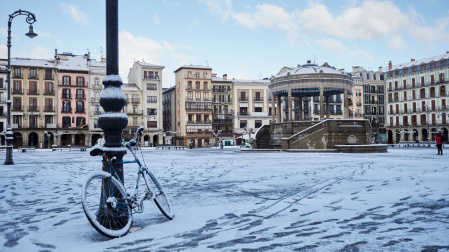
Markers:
{"x": 248, "y": 39}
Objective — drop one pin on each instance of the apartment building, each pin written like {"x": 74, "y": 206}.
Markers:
{"x": 417, "y": 99}
{"x": 169, "y": 114}
{"x": 370, "y": 100}
{"x": 3, "y": 98}
{"x": 97, "y": 71}
{"x": 148, "y": 78}
{"x": 133, "y": 109}
{"x": 222, "y": 109}
{"x": 33, "y": 96}
{"x": 73, "y": 91}
{"x": 251, "y": 105}
{"x": 193, "y": 105}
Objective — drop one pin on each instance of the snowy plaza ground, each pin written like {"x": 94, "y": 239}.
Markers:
{"x": 226, "y": 200}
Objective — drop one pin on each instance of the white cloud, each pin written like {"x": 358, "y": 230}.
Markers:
{"x": 77, "y": 15}
{"x": 362, "y": 20}
{"x": 137, "y": 48}
{"x": 396, "y": 43}
{"x": 156, "y": 19}
{"x": 344, "y": 51}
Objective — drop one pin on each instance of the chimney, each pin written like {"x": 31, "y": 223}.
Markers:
{"x": 56, "y": 53}
{"x": 390, "y": 66}
{"x": 225, "y": 76}
{"x": 412, "y": 60}
{"x": 214, "y": 75}
{"x": 380, "y": 69}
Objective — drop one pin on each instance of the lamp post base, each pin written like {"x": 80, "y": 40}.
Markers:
{"x": 8, "y": 160}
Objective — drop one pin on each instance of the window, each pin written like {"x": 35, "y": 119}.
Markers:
{"x": 243, "y": 111}
{"x": 258, "y": 123}
{"x": 205, "y": 85}
{"x": 79, "y": 106}
{"x": 258, "y": 109}
{"x": 17, "y": 73}
{"x": 134, "y": 121}
{"x": 1, "y": 84}
{"x": 66, "y": 107}
{"x": 151, "y": 111}
{"x": 48, "y": 74}
{"x": 243, "y": 123}
{"x": 151, "y": 124}
{"x": 198, "y": 96}
{"x": 80, "y": 122}
{"x": 97, "y": 82}
{"x": 33, "y": 73}
{"x": 151, "y": 86}
{"x": 66, "y": 80}
{"x": 80, "y": 81}
{"x": 49, "y": 88}
{"x": 66, "y": 93}
{"x": 204, "y": 75}
{"x": 79, "y": 94}
{"x": 66, "y": 122}
{"x": 197, "y": 85}
{"x": 151, "y": 99}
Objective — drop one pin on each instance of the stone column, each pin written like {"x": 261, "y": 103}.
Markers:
{"x": 273, "y": 110}
{"x": 279, "y": 108}
{"x": 321, "y": 103}
{"x": 327, "y": 107}
{"x": 345, "y": 105}
{"x": 290, "y": 112}
{"x": 300, "y": 108}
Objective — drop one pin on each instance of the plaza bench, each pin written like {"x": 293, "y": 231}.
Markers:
{"x": 168, "y": 146}
{"x": 25, "y": 149}
{"x": 68, "y": 147}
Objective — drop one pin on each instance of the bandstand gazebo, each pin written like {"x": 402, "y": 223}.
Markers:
{"x": 309, "y": 80}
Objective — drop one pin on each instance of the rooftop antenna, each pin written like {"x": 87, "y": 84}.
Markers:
{"x": 314, "y": 59}
{"x": 207, "y": 63}
{"x": 101, "y": 51}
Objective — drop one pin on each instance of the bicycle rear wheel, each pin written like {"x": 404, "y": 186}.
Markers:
{"x": 160, "y": 198}
{"x": 105, "y": 205}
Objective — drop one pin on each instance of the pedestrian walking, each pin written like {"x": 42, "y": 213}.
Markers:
{"x": 439, "y": 143}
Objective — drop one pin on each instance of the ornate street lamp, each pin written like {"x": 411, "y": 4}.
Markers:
{"x": 30, "y": 19}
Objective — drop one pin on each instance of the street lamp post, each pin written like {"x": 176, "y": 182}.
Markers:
{"x": 31, "y": 18}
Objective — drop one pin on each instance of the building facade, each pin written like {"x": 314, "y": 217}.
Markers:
{"x": 3, "y": 106}
{"x": 222, "y": 108}
{"x": 417, "y": 99}
{"x": 251, "y": 106}
{"x": 193, "y": 105}
{"x": 97, "y": 71}
{"x": 73, "y": 91}
{"x": 148, "y": 78}
{"x": 169, "y": 115}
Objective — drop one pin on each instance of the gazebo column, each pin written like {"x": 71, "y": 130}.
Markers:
{"x": 273, "y": 109}
{"x": 279, "y": 108}
{"x": 327, "y": 107}
{"x": 300, "y": 108}
{"x": 345, "y": 105}
{"x": 290, "y": 112}
{"x": 321, "y": 103}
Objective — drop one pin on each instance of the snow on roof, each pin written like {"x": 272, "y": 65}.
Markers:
{"x": 32, "y": 62}
{"x": 310, "y": 68}
{"x": 243, "y": 81}
{"x": 220, "y": 79}
{"x": 193, "y": 67}
{"x": 3, "y": 69}
{"x": 130, "y": 87}
{"x": 144, "y": 64}
{"x": 418, "y": 62}
{"x": 73, "y": 62}
{"x": 94, "y": 63}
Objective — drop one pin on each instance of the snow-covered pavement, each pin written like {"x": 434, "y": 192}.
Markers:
{"x": 225, "y": 200}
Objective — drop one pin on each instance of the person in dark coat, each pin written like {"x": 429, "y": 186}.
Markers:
{"x": 439, "y": 143}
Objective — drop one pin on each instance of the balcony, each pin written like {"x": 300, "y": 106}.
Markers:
{"x": 49, "y": 92}
{"x": 94, "y": 99}
{"x": 49, "y": 109}
{"x": 79, "y": 110}
{"x": 33, "y": 109}
{"x": 258, "y": 99}
{"x": 80, "y": 96}
{"x": 16, "y": 91}
{"x": 16, "y": 75}
{"x": 48, "y": 77}
{"x": 197, "y": 76}
{"x": 243, "y": 99}
{"x": 97, "y": 86}
{"x": 135, "y": 100}
{"x": 199, "y": 122}
{"x": 50, "y": 125}
{"x": 17, "y": 108}
{"x": 33, "y": 76}
{"x": 16, "y": 125}
{"x": 135, "y": 112}
{"x": 96, "y": 113}
{"x": 66, "y": 110}
{"x": 66, "y": 96}
{"x": 151, "y": 77}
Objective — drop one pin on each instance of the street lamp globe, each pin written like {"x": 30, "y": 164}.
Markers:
{"x": 31, "y": 33}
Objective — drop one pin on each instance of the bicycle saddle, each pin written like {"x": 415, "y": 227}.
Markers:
{"x": 97, "y": 151}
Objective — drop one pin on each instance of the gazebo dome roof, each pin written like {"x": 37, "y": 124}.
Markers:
{"x": 310, "y": 68}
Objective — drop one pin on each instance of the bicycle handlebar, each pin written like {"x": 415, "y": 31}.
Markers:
{"x": 133, "y": 142}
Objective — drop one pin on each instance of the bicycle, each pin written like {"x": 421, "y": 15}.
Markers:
{"x": 107, "y": 205}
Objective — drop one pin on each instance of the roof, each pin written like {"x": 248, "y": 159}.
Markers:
{"x": 32, "y": 62}
{"x": 94, "y": 63}
{"x": 243, "y": 81}
{"x": 144, "y": 64}
{"x": 220, "y": 79}
{"x": 418, "y": 62}
{"x": 130, "y": 87}
{"x": 193, "y": 67}
{"x": 164, "y": 90}
{"x": 310, "y": 68}
{"x": 74, "y": 63}
{"x": 3, "y": 69}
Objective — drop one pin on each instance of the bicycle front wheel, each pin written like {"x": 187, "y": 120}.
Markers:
{"x": 105, "y": 205}
{"x": 160, "y": 198}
